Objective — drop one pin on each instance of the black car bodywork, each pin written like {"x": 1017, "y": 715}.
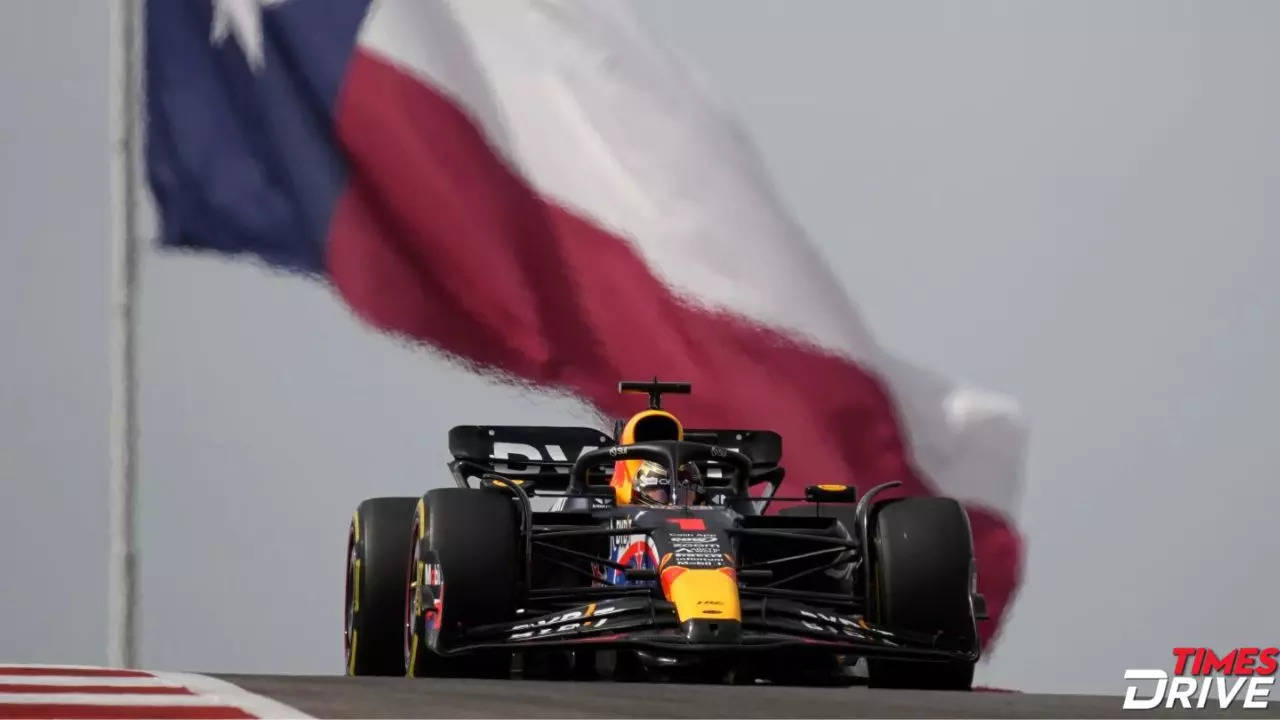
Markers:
{"x": 537, "y": 568}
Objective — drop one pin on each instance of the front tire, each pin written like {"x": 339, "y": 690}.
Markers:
{"x": 463, "y": 572}
{"x": 922, "y": 579}
{"x": 377, "y": 551}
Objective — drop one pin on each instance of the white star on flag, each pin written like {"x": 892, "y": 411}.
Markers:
{"x": 242, "y": 18}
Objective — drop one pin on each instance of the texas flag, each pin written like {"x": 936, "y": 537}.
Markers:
{"x": 542, "y": 191}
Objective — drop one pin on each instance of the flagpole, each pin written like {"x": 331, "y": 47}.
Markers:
{"x": 122, "y": 556}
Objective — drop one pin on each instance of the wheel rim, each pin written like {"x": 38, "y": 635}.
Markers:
{"x": 410, "y": 597}
{"x": 348, "y": 610}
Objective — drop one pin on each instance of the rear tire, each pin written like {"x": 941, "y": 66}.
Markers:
{"x": 922, "y": 564}
{"x": 377, "y": 551}
{"x": 471, "y": 537}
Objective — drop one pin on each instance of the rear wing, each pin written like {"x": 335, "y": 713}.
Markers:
{"x": 540, "y": 453}
{"x": 545, "y": 454}
{"x": 763, "y": 447}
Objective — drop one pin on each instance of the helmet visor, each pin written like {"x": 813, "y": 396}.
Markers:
{"x": 657, "y": 493}
{"x": 653, "y": 483}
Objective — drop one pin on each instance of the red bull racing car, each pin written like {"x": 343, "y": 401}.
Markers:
{"x": 650, "y": 554}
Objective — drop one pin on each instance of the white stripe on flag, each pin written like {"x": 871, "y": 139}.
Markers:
{"x": 597, "y": 116}
{"x": 603, "y": 120}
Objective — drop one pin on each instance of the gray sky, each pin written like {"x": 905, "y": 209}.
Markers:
{"x": 1072, "y": 202}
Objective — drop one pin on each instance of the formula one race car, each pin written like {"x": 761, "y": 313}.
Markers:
{"x": 655, "y": 559}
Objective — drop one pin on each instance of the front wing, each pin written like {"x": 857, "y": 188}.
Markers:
{"x": 650, "y": 624}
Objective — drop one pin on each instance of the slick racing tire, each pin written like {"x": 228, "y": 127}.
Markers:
{"x": 377, "y": 552}
{"x": 922, "y": 575}
{"x": 463, "y": 573}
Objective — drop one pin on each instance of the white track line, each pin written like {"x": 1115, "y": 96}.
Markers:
{"x": 230, "y": 694}
{"x": 207, "y": 691}
{"x": 39, "y": 666}
{"x": 55, "y": 680}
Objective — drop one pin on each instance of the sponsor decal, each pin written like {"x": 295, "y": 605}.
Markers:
{"x": 516, "y": 452}
{"x": 696, "y": 550}
{"x": 830, "y": 624}
{"x": 1204, "y": 678}
{"x": 432, "y": 613}
{"x": 694, "y": 538}
{"x": 716, "y": 471}
{"x": 622, "y": 542}
{"x": 688, "y": 523}
{"x": 688, "y": 552}
{"x": 590, "y": 619}
{"x": 635, "y": 551}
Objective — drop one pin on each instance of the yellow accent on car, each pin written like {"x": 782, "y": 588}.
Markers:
{"x": 628, "y": 434}
{"x": 420, "y": 576}
{"x": 355, "y": 526}
{"x": 355, "y": 586}
{"x": 831, "y": 487}
{"x": 351, "y": 658}
{"x": 421, "y": 513}
{"x": 705, "y": 594}
{"x": 413, "y": 656}
{"x": 622, "y": 494}
{"x": 629, "y": 468}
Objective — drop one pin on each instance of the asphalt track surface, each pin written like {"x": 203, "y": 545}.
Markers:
{"x": 375, "y": 697}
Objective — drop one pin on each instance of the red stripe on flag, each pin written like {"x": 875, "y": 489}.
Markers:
{"x": 437, "y": 239}
{"x": 72, "y": 672}
{"x": 122, "y": 712}
{"x": 103, "y": 689}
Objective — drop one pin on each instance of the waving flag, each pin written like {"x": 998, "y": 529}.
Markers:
{"x": 542, "y": 191}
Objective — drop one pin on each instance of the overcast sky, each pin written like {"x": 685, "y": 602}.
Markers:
{"x": 1072, "y": 202}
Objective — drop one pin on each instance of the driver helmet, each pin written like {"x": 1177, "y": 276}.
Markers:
{"x": 652, "y": 485}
